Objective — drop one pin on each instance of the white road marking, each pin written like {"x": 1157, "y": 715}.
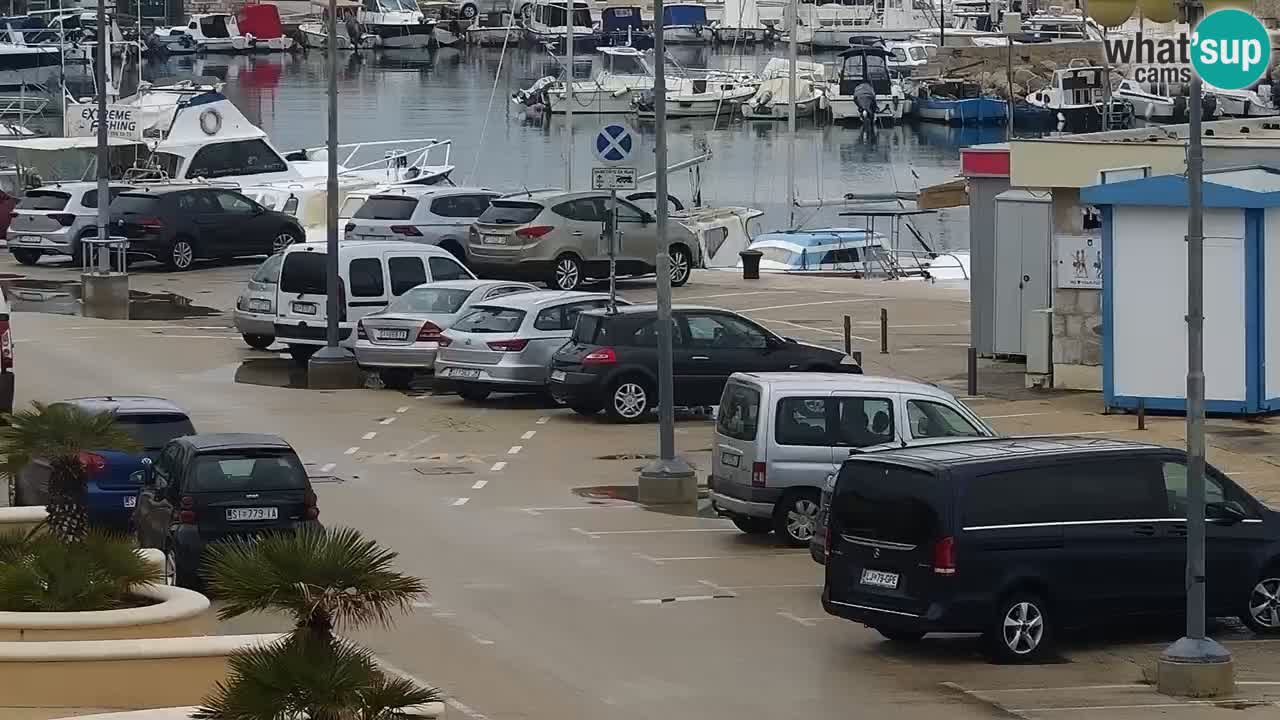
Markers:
{"x": 1141, "y": 706}
{"x": 876, "y": 323}
{"x": 515, "y": 449}
{"x": 720, "y": 589}
{"x": 769, "y": 321}
{"x": 529, "y": 435}
{"x": 497, "y": 467}
{"x": 460, "y": 501}
{"x": 1016, "y": 415}
{"x": 597, "y": 533}
{"x": 481, "y": 640}
{"x": 1066, "y": 688}
{"x": 620, "y": 506}
{"x": 402, "y": 409}
{"x": 679, "y": 598}
{"x": 773, "y": 587}
{"x": 743, "y": 556}
{"x": 739, "y": 294}
{"x": 441, "y": 614}
{"x": 849, "y": 301}
{"x": 369, "y": 435}
{"x": 328, "y": 467}
{"x": 1094, "y": 432}
{"x": 479, "y": 484}
{"x": 803, "y": 621}
{"x": 465, "y": 710}
{"x": 424, "y": 604}
{"x": 387, "y": 421}
{"x": 543, "y": 420}
{"x": 351, "y": 450}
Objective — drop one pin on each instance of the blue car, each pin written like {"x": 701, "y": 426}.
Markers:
{"x": 113, "y": 487}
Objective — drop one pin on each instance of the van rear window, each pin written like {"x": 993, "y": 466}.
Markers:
{"x": 739, "y": 413}
{"x": 508, "y": 212}
{"x": 881, "y": 501}
{"x": 304, "y": 273}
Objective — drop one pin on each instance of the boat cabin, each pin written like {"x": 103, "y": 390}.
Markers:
{"x": 1076, "y": 86}
{"x": 623, "y": 25}
{"x": 626, "y": 61}
{"x": 215, "y": 25}
{"x": 551, "y": 15}
{"x": 865, "y": 63}
{"x": 950, "y": 89}
{"x": 684, "y": 15}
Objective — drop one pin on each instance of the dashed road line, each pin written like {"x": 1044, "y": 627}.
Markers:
{"x": 1016, "y": 415}
{"x": 328, "y": 467}
{"x": 387, "y": 421}
{"x": 480, "y": 640}
{"x": 515, "y": 449}
{"x": 598, "y": 533}
{"x": 479, "y": 484}
{"x": 620, "y": 506}
{"x": 498, "y": 467}
{"x": 402, "y": 409}
{"x": 369, "y": 435}
{"x": 465, "y": 710}
{"x": 529, "y": 435}
{"x": 460, "y": 501}
{"x": 807, "y": 622}
{"x": 351, "y": 450}
{"x": 681, "y": 598}
{"x": 543, "y": 420}
{"x": 741, "y": 556}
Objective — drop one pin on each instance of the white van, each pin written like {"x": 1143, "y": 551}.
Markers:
{"x": 779, "y": 435}
{"x": 370, "y": 274}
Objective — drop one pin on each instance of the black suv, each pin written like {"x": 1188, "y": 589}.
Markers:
{"x": 611, "y": 361}
{"x": 204, "y": 489}
{"x": 179, "y": 224}
{"x": 1021, "y": 538}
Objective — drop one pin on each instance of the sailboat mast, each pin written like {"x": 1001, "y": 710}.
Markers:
{"x": 568, "y": 94}
{"x": 791, "y": 119}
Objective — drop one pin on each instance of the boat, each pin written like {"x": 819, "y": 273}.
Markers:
{"x": 306, "y": 200}
{"x": 711, "y": 96}
{"x": 398, "y": 24}
{"x": 623, "y": 26}
{"x": 544, "y": 24}
{"x": 722, "y": 232}
{"x": 1054, "y": 25}
{"x": 76, "y": 32}
{"x": 838, "y": 250}
{"x": 685, "y": 23}
{"x": 204, "y": 32}
{"x": 906, "y": 56}
{"x": 967, "y": 21}
{"x": 1162, "y": 102}
{"x": 865, "y": 90}
{"x": 958, "y": 103}
{"x": 18, "y": 58}
{"x": 740, "y": 23}
{"x": 1076, "y": 95}
{"x": 830, "y": 26}
{"x": 625, "y": 72}
{"x": 494, "y": 26}
{"x": 261, "y": 21}
{"x": 772, "y": 99}
{"x": 1243, "y": 103}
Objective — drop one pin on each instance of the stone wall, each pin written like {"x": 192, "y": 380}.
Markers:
{"x": 1033, "y": 65}
{"x": 1077, "y": 339}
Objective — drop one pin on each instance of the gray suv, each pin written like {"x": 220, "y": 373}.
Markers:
{"x": 52, "y": 220}
{"x": 558, "y": 238}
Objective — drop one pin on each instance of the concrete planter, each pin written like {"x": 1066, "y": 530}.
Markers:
{"x": 21, "y": 519}
{"x": 430, "y": 710}
{"x": 177, "y": 613}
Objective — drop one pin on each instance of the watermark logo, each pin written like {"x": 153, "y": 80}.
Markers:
{"x": 1230, "y": 49}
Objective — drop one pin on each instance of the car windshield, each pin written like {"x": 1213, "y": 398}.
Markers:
{"x": 441, "y": 301}
{"x": 491, "y": 320}
{"x": 508, "y": 212}
{"x": 43, "y": 200}
{"x": 152, "y": 431}
{"x": 303, "y": 273}
{"x": 381, "y": 207}
{"x": 241, "y": 470}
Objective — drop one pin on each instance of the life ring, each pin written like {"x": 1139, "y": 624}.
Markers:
{"x": 210, "y": 121}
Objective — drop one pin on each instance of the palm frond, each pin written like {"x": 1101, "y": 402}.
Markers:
{"x": 319, "y": 575}
{"x": 389, "y": 696}
{"x": 47, "y": 575}
{"x": 58, "y": 430}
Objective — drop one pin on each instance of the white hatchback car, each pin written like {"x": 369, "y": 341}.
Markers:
{"x": 431, "y": 215}
{"x": 53, "y": 219}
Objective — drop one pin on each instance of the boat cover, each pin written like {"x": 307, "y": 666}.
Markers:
{"x": 261, "y": 21}
{"x": 695, "y": 15}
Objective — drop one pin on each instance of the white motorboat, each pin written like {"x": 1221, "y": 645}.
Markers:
{"x": 830, "y": 26}
{"x": 740, "y": 23}
{"x": 1076, "y": 95}
{"x": 865, "y": 91}
{"x": 544, "y": 23}
{"x": 1243, "y": 103}
{"x": 398, "y": 24}
{"x": 772, "y": 100}
{"x": 625, "y": 72}
{"x": 722, "y": 232}
{"x": 712, "y": 96}
{"x": 1055, "y": 25}
{"x": 205, "y": 32}
{"x": 315, "y": 33}
{"x": 685, "y": 23}
{"x": 838, "y": 250}
{"x": 906, "y": 56}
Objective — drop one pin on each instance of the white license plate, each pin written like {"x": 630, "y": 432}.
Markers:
{"x": 29, "y": 239}
{"x": 260, "y": 305}
{"x": 393, "y": 334}
{"x": 557, "y": 375}
{"x": 239, "y": 514}
{"x": 879, "y": 578}
{"x": 304, "y": 308}
{"x": 493, "y": 239}
{"x": 131, "y": 501}
{"x": 462, "y": 372}
{"x": 730, "y": 459}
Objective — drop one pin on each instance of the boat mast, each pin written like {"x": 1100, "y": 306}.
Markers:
{"x": 791, "y": 119}
{"x": 568, "y": 94}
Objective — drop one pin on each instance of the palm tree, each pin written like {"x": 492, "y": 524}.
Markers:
{"x": 61, "y": 434}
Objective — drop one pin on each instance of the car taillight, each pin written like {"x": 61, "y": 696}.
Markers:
{"x": 93, "y": 463}
{"x": 944, "y": 556}
{"x": 429, "y": 331}
{"x": 63, "y": 219}
{"x": 342, "y": 300}
{"x": 407, "y": 230}
{"x": 349, "y": 227}
{"x": 444, "y": 341}
{"x": 150, "y": 223}
{"x": 533, "y": 231}
{"x": 508, "y": 345}
{"x": 603, "y": 356}
{"x": 757, "y": 474}
{"x": 187, "y": 511}
{"x": 6, "y": 345}
{"x": 310, "y": 511}
{"x": 360, "y": 331}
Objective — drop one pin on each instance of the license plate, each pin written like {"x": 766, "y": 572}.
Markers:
{"x": 304, "y": 308}
{"x": 131, "y": 501}
{"x": 879, "y": 578}
{"x": 730, "y": 459}
{"x": 393, "y": 334}
{"x": 260, "y": 305}
{"x": 462, "y": 373}
{"x": 493, "y": 239}
{"x": 557, "y": 375}
{"x": 29, "y": 239}
{"x": 239, "y": 514}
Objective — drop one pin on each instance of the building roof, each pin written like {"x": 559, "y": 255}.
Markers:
{"x": 1255, "y": 186}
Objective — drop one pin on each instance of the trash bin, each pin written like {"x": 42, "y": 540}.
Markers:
{"x": 750, "y": 264}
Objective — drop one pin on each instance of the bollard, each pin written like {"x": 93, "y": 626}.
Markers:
{"x": 884, "y": 331}
{"x": 750, "y": 264}
{"x": 848, "y": 335}
{"x": 1142, "y": 413}
{"x": 973, "y": 371}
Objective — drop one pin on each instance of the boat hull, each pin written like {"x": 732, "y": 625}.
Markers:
{"x": 966, "y": 112}
{"x": 688, "y": 35}
{"x": 402, "y": 37}
{"x": 725, "y": 105}
{"x": 593, "y": 102}
{"x": 745, "y": 36}
{"x": 1242, "y": 108}
{"x": 493, "y": 36}
{"x": 889, "y": 109}
{"x": 781, "y": 110}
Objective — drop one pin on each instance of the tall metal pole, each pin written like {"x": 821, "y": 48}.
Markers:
{"x": 793, "y": 52}
{"x": 666, "y": 408}
{"x": 104, "y": 162}
{"x": 334, "y": 308}
{"x": 568, "y": 94}
{"x": 613, "y": 251}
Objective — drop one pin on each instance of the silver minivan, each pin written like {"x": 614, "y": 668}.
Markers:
{"x": 779, "y": 435}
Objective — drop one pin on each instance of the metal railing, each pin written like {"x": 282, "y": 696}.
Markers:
{"x": 399, "y": 164}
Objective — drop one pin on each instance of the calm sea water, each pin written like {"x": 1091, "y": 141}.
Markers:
{"x": 464, "y": 95}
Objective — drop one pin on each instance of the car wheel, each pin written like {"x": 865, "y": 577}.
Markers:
{"x": 396, "y": 378}
{"x": 629, "y": 401}
{"x": 469, "y": 11}
{"x": 473, "y": 394}
{"x": 567, "y": 274}
{"x": 302, "y": 353}
{"x": 796, "y": 517}
{"x": 182, "y": 254}
{"x": 258, "y": 342}
{"x": 1262, "y": 614}
{"x": 588, "y": 410}
{"x": 26, "y": 257}
{"x": 681, "y": 265}
{"x": 906, "y": 637}
{"x": 1021, "y": 630}
{"x": 283, "y": 239}
{"x": 753, "y": 525}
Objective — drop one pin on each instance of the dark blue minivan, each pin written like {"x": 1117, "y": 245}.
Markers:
{"x": 113, "y": 488}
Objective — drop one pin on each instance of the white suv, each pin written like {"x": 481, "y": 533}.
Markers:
{"x": 53, "y": 219}
{"x": 431, "y": 215}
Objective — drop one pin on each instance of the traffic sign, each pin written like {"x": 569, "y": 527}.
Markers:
{"x": 613, "y": 178}
{"x": 614, "y": 143}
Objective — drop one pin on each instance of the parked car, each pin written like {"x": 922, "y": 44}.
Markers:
{"x": 611, "y": 360}
{"x": 182, "y": 223}
{"x": 504, "y": 345}
{"x": 555, "y": 237}
{"x": 403, "y": 339}
{"x": 53, "y": 219}
{"x": 204, "y": 489}
{"x": 370, "y": 276}
{"x": 780, "y": 435}
{"x": 1021, "y": 539}
{"x": 111, "y": 474}
{"x": 434, "y": 215}
{"x": 255, "y": 312}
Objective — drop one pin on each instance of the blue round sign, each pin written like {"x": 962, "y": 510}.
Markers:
{"x": 614, "y": 143}
{"x": 1231, "y": 49}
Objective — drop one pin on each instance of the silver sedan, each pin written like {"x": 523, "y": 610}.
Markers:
{"x": 403, "y": 339}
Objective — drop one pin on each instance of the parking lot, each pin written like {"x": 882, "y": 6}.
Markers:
{"x": 555, "y": 595}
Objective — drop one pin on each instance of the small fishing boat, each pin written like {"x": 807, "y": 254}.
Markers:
{"x": 315, "y": 33}
{"x": 1076, "y": 96}
{"x": 623, "y": 26}
{"x": 837, "y": 250}
{"x": 1162, "y": 102}
{"x": 958, "y": 103}
{"x": 204, "y": 32}
{"x": 494, "y": 25}
{"x": 544, "y": 24}
{"x": 865, "y": 91}
{"x": 908, "y": 55}
{"x": 1243, "y": 103}
{"x": 261, "y": 22}
{"x": 398, "y": 24}
{"x": 772, "y": 100}
{"x": 701, "y": 97}
{"x": 740, "y": 23}
{"x": 722, "y": 232}
{"x": 685, "y": 23}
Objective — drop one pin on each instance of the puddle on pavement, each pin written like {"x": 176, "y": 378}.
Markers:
{"x": 272, "y": 372}
{"x": 62, "y": 297}
{"x": 603, "y": 494}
